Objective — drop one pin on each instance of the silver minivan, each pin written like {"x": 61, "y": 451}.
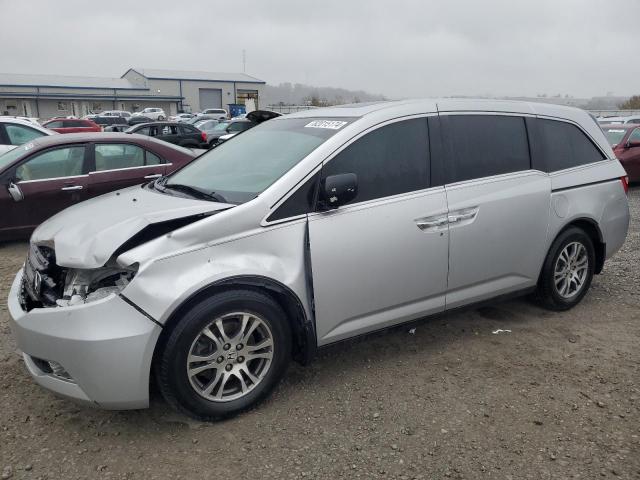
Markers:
{"x": 310, "y": 229}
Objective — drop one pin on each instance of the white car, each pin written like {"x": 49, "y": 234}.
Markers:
{"x": 15, "y": 131}
{"x": 619, "y": 120}
{"x": 220, "y": 113}
{"x": 181, "y": 117}
{"x": 151, "y": 112}
{"x": 116, "y": 113}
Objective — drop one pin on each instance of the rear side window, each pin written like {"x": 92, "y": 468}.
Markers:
{"x": 388, "y": 161}
{"x": 562, "y": 145}
{"x": 117, "y": 156}
{"x": 152, "y": 159}
{"x": 485, "y": 145}
{"x": 55, "y": 124}
{"x": 187, "y": 130}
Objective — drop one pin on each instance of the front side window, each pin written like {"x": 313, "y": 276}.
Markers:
{"x": 388, "y": 161}
{"x": 635, "y": 136}
{"x": 19, "y": 134}
{"x": 564, "y": 145}
{"x": 61, "y": 162}
{"x": 54, "y": 124}
{"x": 116, "y": 156}
{"x": 240, "y": 171}
{"x": 485, "y": 145}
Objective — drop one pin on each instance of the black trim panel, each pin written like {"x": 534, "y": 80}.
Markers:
{"x": 555, "y": 190}
{"x": 140, "y": 310}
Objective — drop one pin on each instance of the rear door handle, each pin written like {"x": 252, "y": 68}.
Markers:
{"x": 155, "y": 175}
{"x": 71, "y": 188}
{"x": 462, "y": 215}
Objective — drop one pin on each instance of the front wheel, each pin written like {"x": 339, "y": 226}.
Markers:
{"x": 567, "y": 271}
{"x": 225, "y": 355}
{"x": 160, "y": 117}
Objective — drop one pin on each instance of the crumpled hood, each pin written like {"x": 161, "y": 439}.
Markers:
{"x": 87, "y": 234}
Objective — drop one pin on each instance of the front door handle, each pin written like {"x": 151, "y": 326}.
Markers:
{"x": 431, "y": 222}
{"x": 71, "y": 188}
{"x": 155, "y": 175}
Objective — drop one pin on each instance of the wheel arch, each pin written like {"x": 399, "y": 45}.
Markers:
{"x": 302, "y": 327}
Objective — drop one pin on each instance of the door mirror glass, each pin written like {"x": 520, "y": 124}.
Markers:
{"x": 15, "y": 192}
{"x": 337, "y": 190}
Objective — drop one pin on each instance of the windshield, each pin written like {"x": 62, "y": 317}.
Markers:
{"x": 614, "y": 135}
{"x": 241, "y": 170}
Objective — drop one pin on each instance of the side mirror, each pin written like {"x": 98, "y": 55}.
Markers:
{"x": 15, "y": 192}
{"x": 337, "y": 190}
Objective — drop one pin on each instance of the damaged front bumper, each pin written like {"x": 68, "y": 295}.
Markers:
{"x": 98, "y": 352}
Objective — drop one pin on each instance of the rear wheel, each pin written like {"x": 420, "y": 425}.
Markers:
{"x": 225, "y": 354}
{"x": 567, "y": 271}
{"x": 160, "y": 117}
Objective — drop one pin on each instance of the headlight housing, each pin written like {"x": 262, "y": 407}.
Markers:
{"x": 89, "y": 285}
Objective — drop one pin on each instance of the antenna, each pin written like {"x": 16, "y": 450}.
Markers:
{"x": 244, "y": 61}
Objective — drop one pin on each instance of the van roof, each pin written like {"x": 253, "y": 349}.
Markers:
{"x": 440, "y": 104}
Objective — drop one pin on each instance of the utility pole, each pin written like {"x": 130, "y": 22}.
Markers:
{"x": 244, "y": 61}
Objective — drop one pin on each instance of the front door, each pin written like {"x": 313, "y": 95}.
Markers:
{"x": 382, "y": 259}
{"x": 50, "y": 181}
{"x": 498, "y": 207}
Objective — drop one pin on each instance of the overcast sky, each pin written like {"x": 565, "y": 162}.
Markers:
{"x": 397, "y": 48}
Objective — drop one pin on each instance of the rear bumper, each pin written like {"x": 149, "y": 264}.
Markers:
{"x": 105, "y": 346}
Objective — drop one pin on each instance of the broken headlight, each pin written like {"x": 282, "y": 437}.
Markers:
{"x": 84, "y": 286}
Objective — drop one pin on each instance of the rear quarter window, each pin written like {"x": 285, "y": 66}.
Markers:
{"x": 557, "y": 145}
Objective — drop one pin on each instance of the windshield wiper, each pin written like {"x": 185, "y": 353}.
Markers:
{"x": 194, "y": 192}
{"x": 158, "y": 183}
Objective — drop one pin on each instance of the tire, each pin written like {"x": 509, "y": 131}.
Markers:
{"x": 160, "y": 118}
{"x": 187, "y": 392}
{"x": 573, "y": 284}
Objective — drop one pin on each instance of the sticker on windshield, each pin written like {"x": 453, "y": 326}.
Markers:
{"x": 331, "y": 124}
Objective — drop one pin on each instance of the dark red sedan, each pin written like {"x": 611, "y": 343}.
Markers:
{"x": 48, "y": 174}
{"x": 72, "y": 125}
{"x": 625, "y": 141}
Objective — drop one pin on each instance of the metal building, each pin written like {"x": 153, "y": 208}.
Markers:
{"x": 47, "y": 96}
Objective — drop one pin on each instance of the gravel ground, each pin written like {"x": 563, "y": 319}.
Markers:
{"x": 558, "y": 397}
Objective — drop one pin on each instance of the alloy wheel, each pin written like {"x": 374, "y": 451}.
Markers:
{"x": 230, "y": 356}
{"x": 571, "y": 270}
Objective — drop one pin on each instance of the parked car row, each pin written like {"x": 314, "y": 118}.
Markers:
{"x": 218, "y": 131}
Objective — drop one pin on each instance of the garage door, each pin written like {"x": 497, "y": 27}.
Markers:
{"x": 210, "y": 98}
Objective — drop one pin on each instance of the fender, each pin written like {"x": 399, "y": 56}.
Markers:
{"x": 302, "y": 327}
